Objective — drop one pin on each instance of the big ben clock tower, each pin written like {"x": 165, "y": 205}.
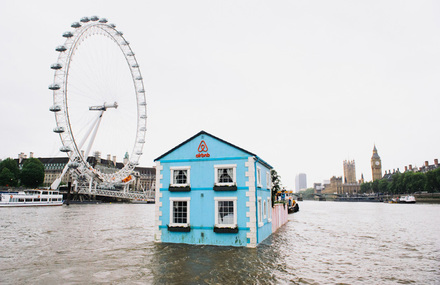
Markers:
{"x": 376, "y": 165}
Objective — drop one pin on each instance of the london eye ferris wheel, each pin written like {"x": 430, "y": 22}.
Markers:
{"x": 98, "y": 101}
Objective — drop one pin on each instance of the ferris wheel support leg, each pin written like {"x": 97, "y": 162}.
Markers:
{"x": 57, "y": 181}
{"x": 90, "y": 184}
{"x": 83, "y": 141}
{"x": 95, "y": 131}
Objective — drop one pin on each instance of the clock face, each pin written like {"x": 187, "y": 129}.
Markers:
{"x": 377, "y": 162}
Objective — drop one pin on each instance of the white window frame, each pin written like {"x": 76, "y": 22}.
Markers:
{"x": 259, "y": 177}
{"x": 174, "y": 168}
{"x": 178, "y": 199}
{"x": 264, "y": 209}
{"x": 260, "y": 212}
{"x": 220, "y": 166}
{"x": 233, "y": 199}
{"x": 269, "y": 209}
{"x": 268, "y": 180}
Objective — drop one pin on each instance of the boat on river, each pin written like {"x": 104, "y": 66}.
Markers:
{"x": 408, "y": 199}
{"x": 34, "y": 197}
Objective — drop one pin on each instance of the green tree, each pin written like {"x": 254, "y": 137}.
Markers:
{"x": 276, "y": 184}
{"x": 308, "y": 194}
{"x": 375, "y": 186}
{"x": 366, "y": 187}
{"x": 14, "y": 172}
{"x": 433, "y": 181}
{"x": 394, "y": 184}
{"x": 7, "y": 178}
{"x": 32, "y": 174}
{"x": 383, "y": 186}
{"x": 417, "y": 183}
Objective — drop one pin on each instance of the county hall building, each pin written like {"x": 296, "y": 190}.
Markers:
{"x": 209, "y": 191}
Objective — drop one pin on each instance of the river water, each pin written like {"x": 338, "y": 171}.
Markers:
{"x": 324, "y": 243}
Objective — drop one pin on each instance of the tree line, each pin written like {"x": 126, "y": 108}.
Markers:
{"x": 405, "y": 183}
{"x": 30, "y": 175}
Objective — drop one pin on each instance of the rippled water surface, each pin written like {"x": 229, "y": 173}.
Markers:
{"x": 324, "y": 243}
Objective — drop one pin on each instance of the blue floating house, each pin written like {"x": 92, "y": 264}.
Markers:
{"x": 209, "y": 191}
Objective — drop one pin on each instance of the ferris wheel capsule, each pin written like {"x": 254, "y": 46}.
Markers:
{"x": 65, "y": 149}
{"x": 58, "y": 130}
{"x": 60, "y": 48}
{"x": 55, "y": 108}
{"x": 75, "y": 25}
{"x": 112, "y": 25}
{"x": 73, "y": 164}
{"x": 68, "y": 34}
{"x": 54, "y": 87}
{"x": 103, "y": 20}
{"x": 85, "y": 19}
{"x": 94, "y": 18}
{"x": 56, "y": 66}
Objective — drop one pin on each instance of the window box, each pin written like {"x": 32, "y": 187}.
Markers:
{"x": 179, "y": 188}
{"x": 182, "y": 229}
{"x": 225, "y": 187}
{"x": 226, "y": 230}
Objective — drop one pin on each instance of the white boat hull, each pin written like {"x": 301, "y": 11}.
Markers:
{"x": 31, "y": 198}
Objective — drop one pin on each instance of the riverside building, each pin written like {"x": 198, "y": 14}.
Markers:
{"x": 209, "y": 191}
{"x": 144, "y": 177}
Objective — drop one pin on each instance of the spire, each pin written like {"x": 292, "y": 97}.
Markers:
{"x": 375, "y": 154}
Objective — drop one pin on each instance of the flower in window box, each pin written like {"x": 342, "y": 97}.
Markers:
{"x": 186, "y": 188}
{"x": 232, "y": 187}
{"x": 230, "y": 230}
{"x": 179, "y": 228}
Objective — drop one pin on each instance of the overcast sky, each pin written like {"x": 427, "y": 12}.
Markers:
{"x": 303, "y": 84}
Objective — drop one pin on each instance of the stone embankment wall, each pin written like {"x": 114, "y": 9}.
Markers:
{"x": 279, "y": 216}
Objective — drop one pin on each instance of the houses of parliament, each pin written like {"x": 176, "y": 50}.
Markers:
{"x": 349, "y": 185}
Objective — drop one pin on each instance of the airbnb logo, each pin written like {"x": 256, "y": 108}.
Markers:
{"x": 203, "y": 147}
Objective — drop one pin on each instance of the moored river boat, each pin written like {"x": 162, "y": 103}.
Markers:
{"x": 34, "y": 197}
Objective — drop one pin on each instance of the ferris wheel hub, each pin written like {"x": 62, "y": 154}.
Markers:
{"x": 103, "y": 107}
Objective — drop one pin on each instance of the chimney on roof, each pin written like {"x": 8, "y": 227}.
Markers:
{"x": 436, "y": 162}
{"x": 98, "y": 156}
{"x": 114, "y": 160}
{"x": 109, "y": 158}
{"x": 426, "y": 163}
{"x": 410, "y": 167}
{"x": 406, "y": 168}
{"x": 82, "y": 154}
{"x": 21, "y": 156}
{"x": 31, "y": 154}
